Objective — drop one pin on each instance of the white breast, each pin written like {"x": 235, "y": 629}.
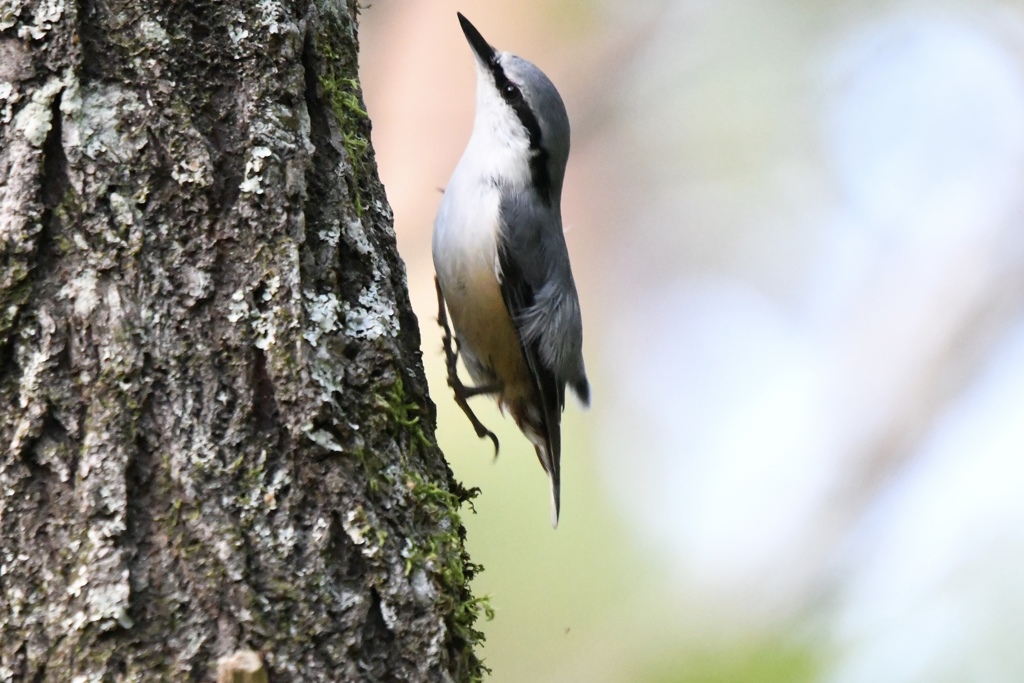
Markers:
{"x": 465, "y": 250}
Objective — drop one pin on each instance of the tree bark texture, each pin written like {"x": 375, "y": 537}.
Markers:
{"x": 214, "y": 423}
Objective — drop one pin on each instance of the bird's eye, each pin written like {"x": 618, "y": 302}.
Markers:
{"x": 510, "y": 93}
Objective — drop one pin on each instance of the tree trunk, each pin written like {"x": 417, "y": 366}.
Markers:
{"x": 214, "y": 423}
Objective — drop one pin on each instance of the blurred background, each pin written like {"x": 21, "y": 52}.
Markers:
{"x": 796, "y": 232}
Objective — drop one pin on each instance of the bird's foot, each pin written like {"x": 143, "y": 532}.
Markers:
{"x": 461, "y": 391}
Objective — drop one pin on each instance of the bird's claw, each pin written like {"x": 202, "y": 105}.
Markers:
{"x": 461, "y": 391}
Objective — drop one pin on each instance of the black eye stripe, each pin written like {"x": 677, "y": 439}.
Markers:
{"x": 539, "y": 156}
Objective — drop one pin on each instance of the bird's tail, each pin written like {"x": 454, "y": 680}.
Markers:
{"x": 541, "y": 426}
{"x": 554, "y": 476}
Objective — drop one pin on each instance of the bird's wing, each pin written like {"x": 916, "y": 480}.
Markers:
{"x": 520, "y": 297}
{"x": 533, "y": 263}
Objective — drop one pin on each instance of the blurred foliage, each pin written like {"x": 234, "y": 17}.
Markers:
{"x": 806, "y": 215}
{"x": 755, "y": 662}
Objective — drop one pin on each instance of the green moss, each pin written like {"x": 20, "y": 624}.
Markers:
{"x": 430, "y": 496}
{"x": 401, "y": 413}
{"x": 343, "y": 95}
{"x": 444, "y": 556}
{"x": 11, "y": 301}
{"x": 236, "y": 464}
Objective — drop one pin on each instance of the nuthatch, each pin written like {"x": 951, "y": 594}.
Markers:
{"x": 501, "y": 261}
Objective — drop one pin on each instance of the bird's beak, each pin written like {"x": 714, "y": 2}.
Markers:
{"x": 484, "y": 52}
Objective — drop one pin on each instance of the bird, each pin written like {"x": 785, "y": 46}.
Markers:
{"x": 501, "y": 261}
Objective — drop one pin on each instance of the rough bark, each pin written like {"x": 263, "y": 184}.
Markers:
{"x": 214, "y": 424}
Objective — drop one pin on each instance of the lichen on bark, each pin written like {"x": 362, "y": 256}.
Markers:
{"x": 214, "y": 422}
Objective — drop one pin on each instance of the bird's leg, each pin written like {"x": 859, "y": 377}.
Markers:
{"x": 470, "y": 392}
{"x": 461, "y": 391}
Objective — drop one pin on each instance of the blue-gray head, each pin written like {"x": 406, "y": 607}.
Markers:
{"x": 520, "y": 118}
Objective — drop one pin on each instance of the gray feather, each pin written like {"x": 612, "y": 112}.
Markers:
{"x": 551, "y": 321}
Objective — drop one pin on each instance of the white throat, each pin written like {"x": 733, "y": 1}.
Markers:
{"x": 499, "y": 148}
